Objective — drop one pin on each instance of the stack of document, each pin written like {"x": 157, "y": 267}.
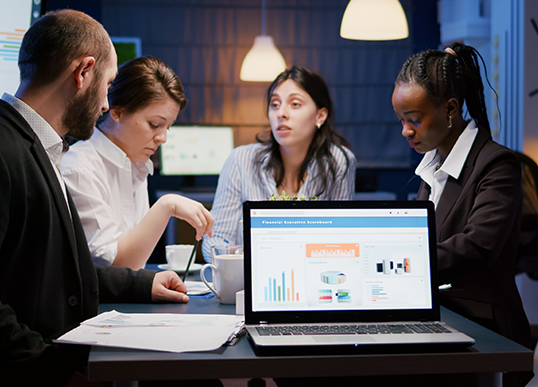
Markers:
{"x": 154, "y": 331}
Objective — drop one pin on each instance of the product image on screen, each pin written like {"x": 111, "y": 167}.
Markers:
{"x": 340, "y": 259}
{"x": 196, "y": 150}
{"x": 16, "y": 16}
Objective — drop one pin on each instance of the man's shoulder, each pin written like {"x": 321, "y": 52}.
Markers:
{"x": 9, "y": 114}
{"x": 12, "y": 126}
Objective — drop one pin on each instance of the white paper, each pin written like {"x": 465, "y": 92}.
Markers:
{"x": 155, "y": 331}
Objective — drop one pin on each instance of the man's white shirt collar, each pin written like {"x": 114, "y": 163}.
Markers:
{"x": 48, "y": 137}
{"x": 54, "y": 145}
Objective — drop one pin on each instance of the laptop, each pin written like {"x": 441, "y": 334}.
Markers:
{"x": 342, "y": 274}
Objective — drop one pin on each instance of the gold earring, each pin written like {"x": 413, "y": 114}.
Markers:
{"x": 319, "y": 126}
{"x": 449, "y": 122}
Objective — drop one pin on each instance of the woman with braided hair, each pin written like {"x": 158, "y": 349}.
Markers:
{"x": 473, "y": 182}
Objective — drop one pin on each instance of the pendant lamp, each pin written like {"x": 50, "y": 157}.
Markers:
{"x": 374, "y": 20}
{"x": 263, "y": 62}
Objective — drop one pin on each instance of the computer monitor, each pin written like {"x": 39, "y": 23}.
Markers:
{"x": 15, "y": 19}
{"x": 127, "y": 48}
{"x": 196, "y": 150}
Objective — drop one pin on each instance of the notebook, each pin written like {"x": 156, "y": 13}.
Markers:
{"x": 344, "y": 274}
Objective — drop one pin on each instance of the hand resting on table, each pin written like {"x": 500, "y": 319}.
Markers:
{"x": 168, "y": 287}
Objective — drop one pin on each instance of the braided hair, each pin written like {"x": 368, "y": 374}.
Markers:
{"x": 454, "y": 73}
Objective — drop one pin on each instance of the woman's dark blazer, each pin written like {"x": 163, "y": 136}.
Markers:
{"x": 477, "y": 226}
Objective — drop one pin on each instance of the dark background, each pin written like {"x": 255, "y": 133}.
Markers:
{"x": 205, "y": 41}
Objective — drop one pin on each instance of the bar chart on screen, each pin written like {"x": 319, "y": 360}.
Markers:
{"x": 282, "y": 289}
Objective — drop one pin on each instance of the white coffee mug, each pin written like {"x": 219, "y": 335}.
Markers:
{"x": 227, "y": 276}
{"x": 178, "y": 256}
{"x": 225, "y": 249}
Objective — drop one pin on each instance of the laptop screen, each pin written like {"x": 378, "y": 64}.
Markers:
{"x": 366, "y": 256}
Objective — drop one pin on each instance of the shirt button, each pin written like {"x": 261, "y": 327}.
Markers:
{"x": 73, "y": 300}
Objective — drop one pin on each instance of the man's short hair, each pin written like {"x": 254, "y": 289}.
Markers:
{"x": 56, "y": 40}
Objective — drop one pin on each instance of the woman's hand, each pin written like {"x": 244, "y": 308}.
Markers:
{"x": 135, "y": 247}
{"x": 192, "y": 212}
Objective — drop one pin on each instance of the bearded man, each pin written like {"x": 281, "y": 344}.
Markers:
{"x": 48, "y": 282}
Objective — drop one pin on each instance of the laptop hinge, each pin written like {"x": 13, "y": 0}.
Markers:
{"x": 263, "y": 322}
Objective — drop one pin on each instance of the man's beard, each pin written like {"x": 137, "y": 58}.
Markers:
{"x": 82, "y": 113}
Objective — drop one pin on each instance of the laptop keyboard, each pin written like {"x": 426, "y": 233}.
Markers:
{"x": 351, "y": 329}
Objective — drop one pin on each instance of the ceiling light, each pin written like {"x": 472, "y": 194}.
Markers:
{"x": 263, "y": 62}
{"x": 374, "y": 20}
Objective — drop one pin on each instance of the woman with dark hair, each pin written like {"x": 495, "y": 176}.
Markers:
{"x": 107, "y": 175}
{"x": 303, "y": 155}
{"x": 474, "y": 183}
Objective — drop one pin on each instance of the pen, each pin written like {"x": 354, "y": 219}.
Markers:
{"x": 237, "y": 333}
{"x": 190, "y": 261}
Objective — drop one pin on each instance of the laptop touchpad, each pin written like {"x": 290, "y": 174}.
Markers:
{"x": 342, "y": 339}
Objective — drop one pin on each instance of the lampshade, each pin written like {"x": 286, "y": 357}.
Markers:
{"x": 263, "y": 62}
{"x": 374, "y": 20}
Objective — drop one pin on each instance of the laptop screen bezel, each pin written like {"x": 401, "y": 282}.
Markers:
{"x": 256, "y": 317}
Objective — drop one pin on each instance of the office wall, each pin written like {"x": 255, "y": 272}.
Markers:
{"x": 205, "y": 42}
{"x": 92, "y": 8}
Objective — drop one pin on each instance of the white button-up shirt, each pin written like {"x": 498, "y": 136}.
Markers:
{"x": 452, "y": 166}
{"x": 109, "y": 191}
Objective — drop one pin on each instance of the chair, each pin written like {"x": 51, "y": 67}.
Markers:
{"x": 527, "y": 258}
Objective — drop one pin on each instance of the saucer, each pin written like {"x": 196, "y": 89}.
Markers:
{"x": 197, "y": 288}
{"x": 195, "y": 267}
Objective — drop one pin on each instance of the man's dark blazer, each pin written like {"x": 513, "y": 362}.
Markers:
{"x": 48, "y": 283}
{"x": 477, "y": 225}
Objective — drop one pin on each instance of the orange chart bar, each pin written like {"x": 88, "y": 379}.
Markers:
{"x": 332, "y": 250}
{"x": 13, "y": 33}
